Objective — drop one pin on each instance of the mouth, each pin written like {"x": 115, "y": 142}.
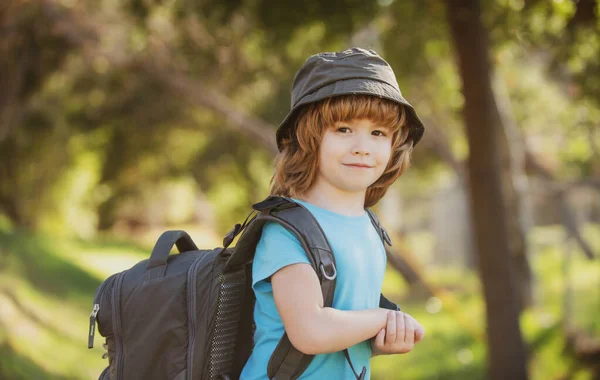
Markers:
{"x": 360, "y": 166}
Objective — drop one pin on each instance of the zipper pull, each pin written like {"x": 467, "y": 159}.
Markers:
{"x": 93, "y": 325}
{"x": 105, "y": 346}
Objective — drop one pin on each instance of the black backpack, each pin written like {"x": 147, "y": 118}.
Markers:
{"x": 189, "y": 316}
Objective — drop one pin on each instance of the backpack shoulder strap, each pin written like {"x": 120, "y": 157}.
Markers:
{"x": 300, "y": 222}
{"x": 385, "y": 238}
{"x": 380, "y": 230}
{"x": 287, "y": 362}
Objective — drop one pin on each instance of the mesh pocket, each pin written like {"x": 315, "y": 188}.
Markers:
{"x": 229, "y": 310}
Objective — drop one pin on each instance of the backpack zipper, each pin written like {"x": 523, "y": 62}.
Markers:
{"x": 96, "y": 308}
{"x": 116, "y": 309}
{"x": 92, "y": 331}
{"x": 192, "y": 314}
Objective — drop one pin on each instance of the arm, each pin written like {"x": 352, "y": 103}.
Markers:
{"x": 312, "y": 328}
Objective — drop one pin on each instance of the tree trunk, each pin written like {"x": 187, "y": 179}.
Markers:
{"x": 410, "y": 273}
{"x": 107, "y": 213}
{"x": 506, "y": 350}
{"x": 514, "y": 180}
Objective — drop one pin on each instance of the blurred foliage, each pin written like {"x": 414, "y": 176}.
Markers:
{"x": 94, "y": 88}
{"x": 96, "y": 135}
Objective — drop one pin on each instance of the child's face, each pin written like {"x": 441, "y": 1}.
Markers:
{"x": 353, "y": 155}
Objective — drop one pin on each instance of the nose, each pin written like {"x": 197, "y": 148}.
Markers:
{"x": 361, "y": 145}
{"x": 360, "y": 152}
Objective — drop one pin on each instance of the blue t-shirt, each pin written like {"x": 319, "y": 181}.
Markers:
{"x": 360, "y": 263}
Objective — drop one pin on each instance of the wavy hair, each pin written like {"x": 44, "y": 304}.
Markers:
{"x": 297, "y": 164}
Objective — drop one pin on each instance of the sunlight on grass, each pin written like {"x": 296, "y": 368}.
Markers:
{"x": 47, "y": 286}
{"x": 49, "y": 332}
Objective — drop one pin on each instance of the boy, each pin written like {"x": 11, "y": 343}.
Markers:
{"x": 347, "y": 138}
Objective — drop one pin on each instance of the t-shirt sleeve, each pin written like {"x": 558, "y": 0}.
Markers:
{"x": 276, "y": 249}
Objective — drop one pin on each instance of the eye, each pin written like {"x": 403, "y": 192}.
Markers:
{"x": 343, "y": 129}
{"x": 379, "y": 133}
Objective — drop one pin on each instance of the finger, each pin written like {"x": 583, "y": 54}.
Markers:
{"x": 419, "y": 330}
{"x": 380, "y": 339}
{"x": 419, "y": 334}
{"x": 409, "y": 330}
{"x": 390, "y": 332}
{"x": 400, "y": 327}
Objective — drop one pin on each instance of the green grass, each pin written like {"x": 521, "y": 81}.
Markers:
{"x": 47, "y": 286}
{"x": 454, "y": 347}
{"x": 46, "y": 291}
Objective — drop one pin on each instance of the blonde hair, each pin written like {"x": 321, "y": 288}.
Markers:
{"x": 297, "y": 164}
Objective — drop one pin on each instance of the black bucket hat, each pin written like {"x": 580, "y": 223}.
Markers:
{"x": 350, "y": 72}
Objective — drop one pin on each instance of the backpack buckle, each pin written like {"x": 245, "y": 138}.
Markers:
{"x": 329, "y": 277}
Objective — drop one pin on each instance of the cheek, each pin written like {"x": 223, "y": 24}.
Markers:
{"x": 330, "y": 148}
{"x": 384, "y": 154}
{"x": 325, "y": 154}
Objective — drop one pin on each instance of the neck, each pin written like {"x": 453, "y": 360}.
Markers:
{"x": 341, "y": 202}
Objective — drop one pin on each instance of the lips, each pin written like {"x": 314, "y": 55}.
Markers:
{"x": 364, "y": 166}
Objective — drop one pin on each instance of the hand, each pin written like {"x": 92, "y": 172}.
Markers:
{"x": 400, "y": 335}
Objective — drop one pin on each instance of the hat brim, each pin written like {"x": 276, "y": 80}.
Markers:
{"x": 357, "y": 86}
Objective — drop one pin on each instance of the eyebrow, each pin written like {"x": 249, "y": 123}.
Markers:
{"x": 376, "y": 125}
{"x": 386, "y": 127}
{"x": 341, "y": 123}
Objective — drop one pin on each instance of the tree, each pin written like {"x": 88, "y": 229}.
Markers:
{"x": 507, "y": 356}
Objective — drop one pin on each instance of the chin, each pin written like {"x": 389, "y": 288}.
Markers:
{"x": 354, "y": 187}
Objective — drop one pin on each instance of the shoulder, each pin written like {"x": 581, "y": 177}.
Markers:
{"x": 276, "y": 235}
{"x": 276, "y": 249}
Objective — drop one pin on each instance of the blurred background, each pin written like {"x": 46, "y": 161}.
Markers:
{"x": 121, "y": 119}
